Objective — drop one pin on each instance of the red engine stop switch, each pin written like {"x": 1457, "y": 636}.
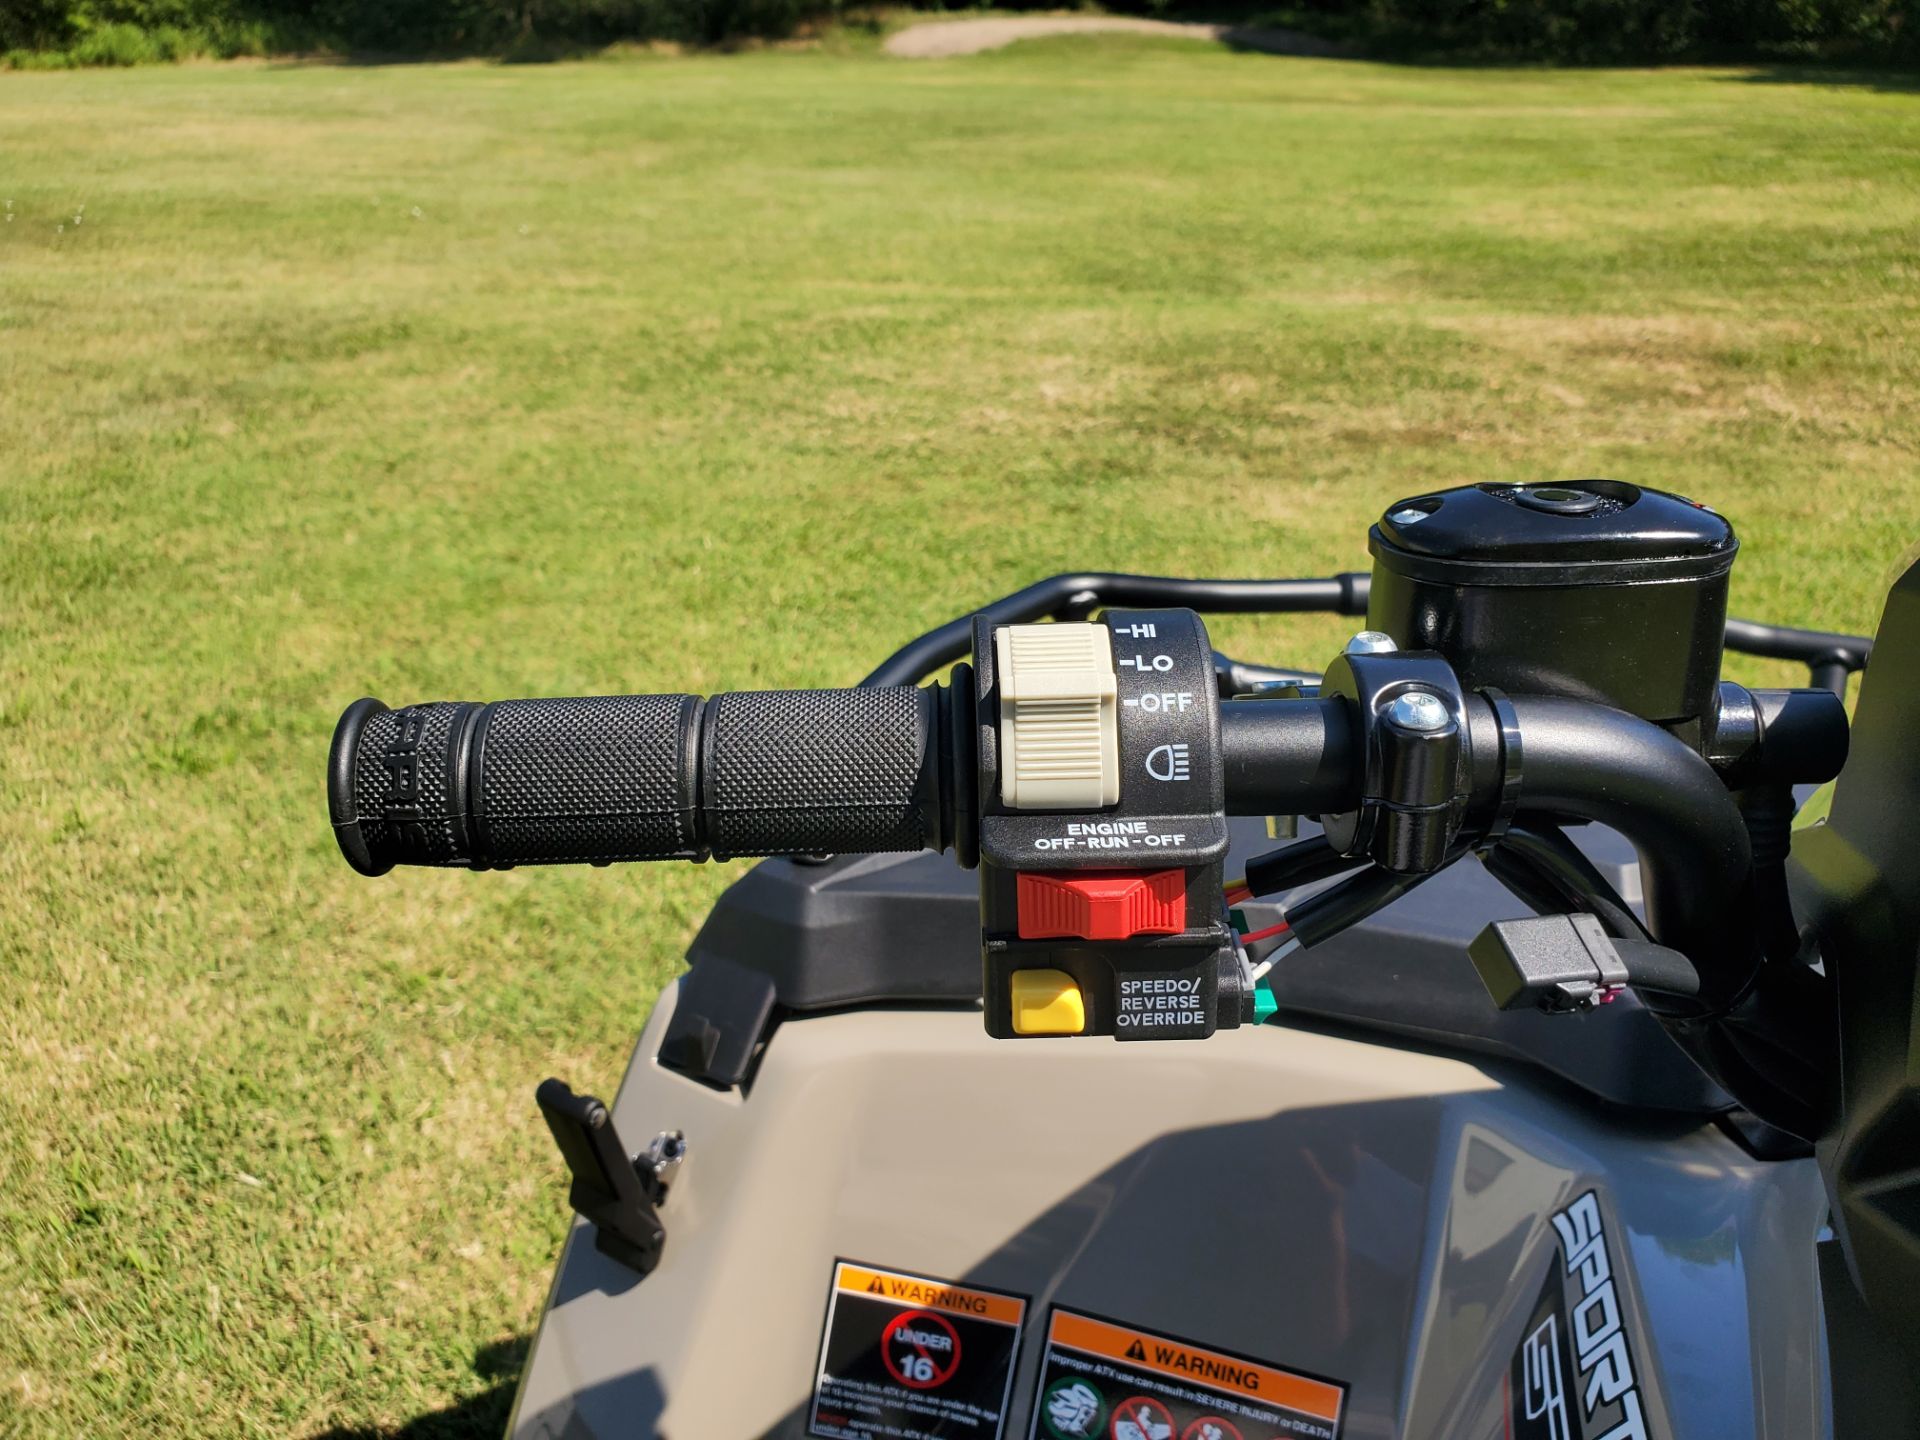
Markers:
{"x": 1102, "y": 904}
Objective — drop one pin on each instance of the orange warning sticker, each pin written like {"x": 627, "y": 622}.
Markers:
{"x": 930, "y": 1294}
{"x": 1099, "y": 1379}
{"x": 1147, "y": 1351}
{"x": 912, "y": 1357}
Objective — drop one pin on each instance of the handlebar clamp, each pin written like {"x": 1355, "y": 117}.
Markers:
{"x": 1410, "y": 711}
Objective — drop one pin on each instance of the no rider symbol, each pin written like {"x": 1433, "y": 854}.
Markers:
{"x": 921, "y": 1349}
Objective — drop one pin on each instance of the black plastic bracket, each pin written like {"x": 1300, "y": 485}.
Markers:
{"x": 725, "y": 1009}
{"x": 613, "y": 1189}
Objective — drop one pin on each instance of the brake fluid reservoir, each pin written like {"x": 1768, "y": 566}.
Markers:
{"x": 1592, "y": 589}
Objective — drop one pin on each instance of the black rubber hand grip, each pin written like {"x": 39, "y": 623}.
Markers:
{"x": 636, "y": 777}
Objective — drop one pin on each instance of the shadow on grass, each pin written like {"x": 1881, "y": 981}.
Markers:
{"x": 1885, "y": 82}
{"x": 1357, "y": 34}
{"x": 544, "y": 53}
{"x": 1267, "y": 40}
{"x": 479, "y": 1417}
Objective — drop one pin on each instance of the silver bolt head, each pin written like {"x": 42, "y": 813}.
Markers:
{"x": 665, "y": 1151}
{"x": 1418, "y": 710}
{"x": 1409, "y": 516}
{"x": 1371, "y": 642}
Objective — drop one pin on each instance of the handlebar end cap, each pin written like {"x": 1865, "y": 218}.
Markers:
{"x": 340, "y": 800}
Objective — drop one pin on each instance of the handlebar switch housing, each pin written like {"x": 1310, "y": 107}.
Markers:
{"x": 1104, "y": 918}
{"x": 1416, "y": 763}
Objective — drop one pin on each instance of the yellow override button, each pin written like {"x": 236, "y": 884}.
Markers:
{"x": 1047, "y": 1002}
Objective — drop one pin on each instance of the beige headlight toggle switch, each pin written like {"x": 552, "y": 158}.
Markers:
{"x": 1059, "y": 736}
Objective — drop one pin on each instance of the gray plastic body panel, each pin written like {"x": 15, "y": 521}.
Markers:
{"x": 1369, "y": 1213}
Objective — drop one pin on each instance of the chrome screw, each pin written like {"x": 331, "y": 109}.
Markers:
{"x": 1421, "y": 711}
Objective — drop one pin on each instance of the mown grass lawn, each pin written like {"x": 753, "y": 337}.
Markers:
{"x": 470, "y": 382}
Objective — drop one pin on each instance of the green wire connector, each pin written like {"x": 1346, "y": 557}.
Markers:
{"x": 1264, "y": 1005}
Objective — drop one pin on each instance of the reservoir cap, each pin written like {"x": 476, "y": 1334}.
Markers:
{"x": 1585, "y": 532}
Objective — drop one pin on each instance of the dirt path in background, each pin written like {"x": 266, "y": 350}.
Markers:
{"x": 939, "y": 39}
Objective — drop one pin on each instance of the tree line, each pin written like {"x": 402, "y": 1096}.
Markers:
{"x": 107, "y": 32}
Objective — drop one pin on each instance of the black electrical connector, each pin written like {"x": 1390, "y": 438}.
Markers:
{"x": 1567, "y": 963}
{"x": 1539, "y": 860}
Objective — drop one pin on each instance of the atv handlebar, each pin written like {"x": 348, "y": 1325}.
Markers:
{"x": 1562, "y": 661}
{"x": 637, "y": 777}
{"x": 654, "y": 777}
{"x": 600, "y": 779}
